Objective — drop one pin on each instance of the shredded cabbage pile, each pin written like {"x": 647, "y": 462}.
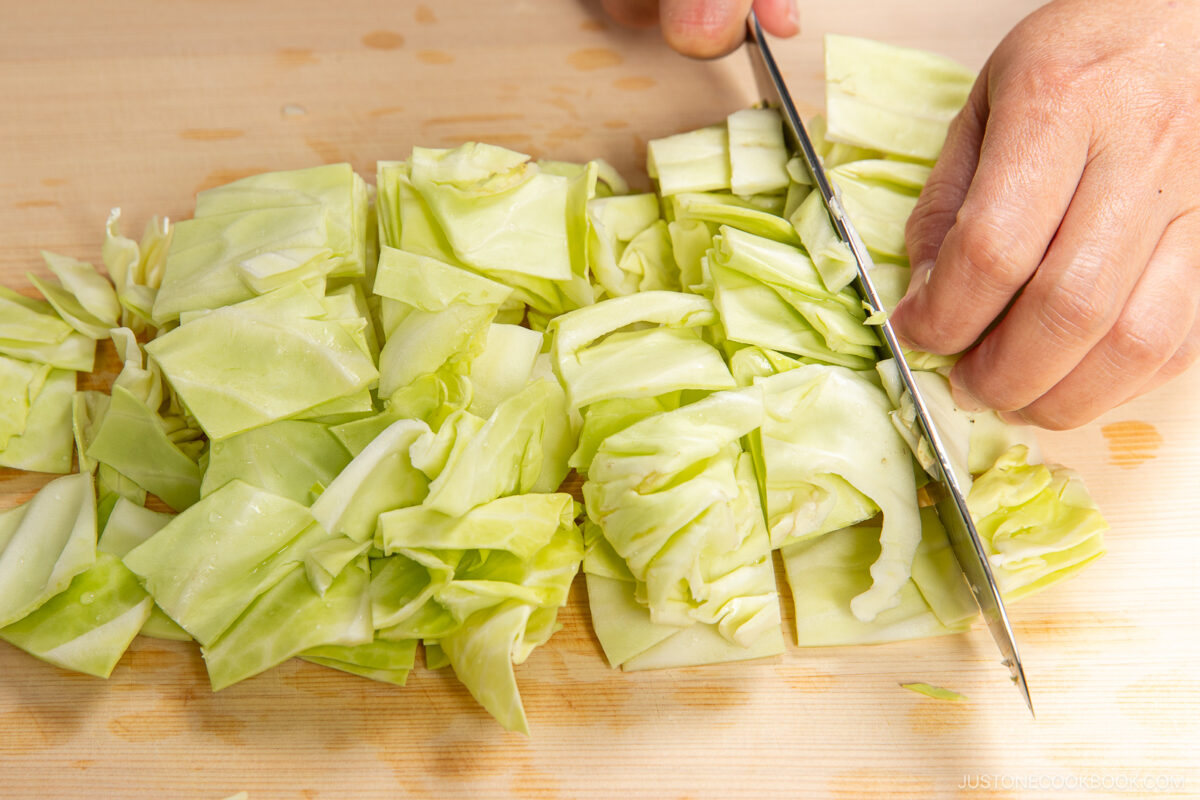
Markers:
{"x": 360, "y": 408}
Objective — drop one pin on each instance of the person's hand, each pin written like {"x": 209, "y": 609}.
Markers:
{"x": 1062, "y": 222}
{"x": 705, "y": 28}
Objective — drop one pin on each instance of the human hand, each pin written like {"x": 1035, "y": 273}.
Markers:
{"x": 705, "y": 28}
{"x": 1062, "y": 222}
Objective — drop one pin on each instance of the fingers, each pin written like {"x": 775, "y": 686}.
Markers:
{"x": 1076, "y": 295}
{"x": 1146, "y": 345}
{"x": 1030, "y": 161}
{"x": 778, "y": 17}
{"x": 632, "y": 13}
{"x": 704, "y": 28}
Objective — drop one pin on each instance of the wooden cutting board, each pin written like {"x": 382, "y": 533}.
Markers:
{"x": 141, "y": 105}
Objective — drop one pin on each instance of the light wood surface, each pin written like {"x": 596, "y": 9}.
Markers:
{"x": 142, "y": 104}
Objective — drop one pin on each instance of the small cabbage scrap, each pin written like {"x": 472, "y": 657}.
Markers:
{"x": 45, "y": 543}
{"x": 935, "y": 692}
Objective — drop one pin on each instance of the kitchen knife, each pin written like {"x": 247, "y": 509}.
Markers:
{"x": 950, "y": 503}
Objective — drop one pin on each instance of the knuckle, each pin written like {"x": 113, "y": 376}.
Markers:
{"x": 1141, "y": 343}
{"x": 991, "y": 259}
{"x": 1076, "y": 311}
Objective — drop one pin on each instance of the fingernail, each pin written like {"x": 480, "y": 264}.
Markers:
{"x": 962, "y": 398}
{"x": 793, "y": 14}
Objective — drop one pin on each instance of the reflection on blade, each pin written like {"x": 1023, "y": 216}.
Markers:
{"x": 952, "y": 506}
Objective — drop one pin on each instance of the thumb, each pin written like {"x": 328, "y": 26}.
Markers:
{"x": 704, "y": 28}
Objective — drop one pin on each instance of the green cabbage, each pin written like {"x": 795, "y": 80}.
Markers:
{"x": 889, "y": 98}
{"x": 45, "y": 543}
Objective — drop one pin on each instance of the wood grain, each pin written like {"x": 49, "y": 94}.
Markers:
{"x": 121, "y": 103}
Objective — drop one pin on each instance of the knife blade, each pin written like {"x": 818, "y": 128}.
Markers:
{"x": 951, "y": 505}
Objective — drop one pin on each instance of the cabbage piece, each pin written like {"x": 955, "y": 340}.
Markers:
{"x": 515, "y": 605}
{"x": 696, "y": 161}
{"x": 31, "y": 330}
{"x": 938, "y": 576}
{"x": 757, "y": 153}
{"x": 637, "y": 363}
{"x": 336, "y": 187}
{"x": 830, "y": 255}
{"x": 136, "y": 268}
{"x": 87, "y": 627}
{"x": 1038, "y": 523}
{"x": 85, "y": 299}
{"x": 727, "y": 209}
{"x": 208, "y": 564}
{"x": 419, "y": 232}
{"x": 677, "y": 502}
{"x": 498, "y": 211}
{"x": 129, "y": 524}
{"x": 44, "y": 543}
{"x": 829, "y": 448}
{"x": 606, "y": 417}
{"x": 380, "y": 659}
{"x": 288, "y": 458}
{"x": 770, "y": 294}
{"x": 508, "y": 454}
{"x": 879, "y": 196}
{"x": 380, "y": 478}
{"x": 649, "y": 261}
{"x": 827, "y": 573}
{"x": 519, "y": 524}
{"x": 20, "y": 384}
{"x": 45, "y": 442}
{"x": 202, "y": 268}
{"x": 403, "y": 587}
{"x": 440, "y": 318}
{"x": 889, "y": 98}
{"x": 614, "y": 222}
{"x": 131, "y": 439}
{"x": 247, "y": 365}
{"x": 504, "y": 366}
{"x": 325, "y": 561}
{"x": 690, "y": 241}
{"x": 644, "y": 363}
{"x": 973, "y": 440}
{"x": 288, "y": 619}
{"x": 431, "y": 284}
